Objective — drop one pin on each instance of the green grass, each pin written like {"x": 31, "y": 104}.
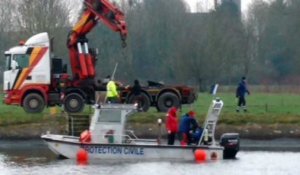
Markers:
{"x": 16, "y": 115}
{"x": 264, "y": 108}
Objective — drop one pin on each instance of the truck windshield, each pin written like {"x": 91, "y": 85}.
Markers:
{"x": 7, "y": 62}
{"x": 22, "y": 60}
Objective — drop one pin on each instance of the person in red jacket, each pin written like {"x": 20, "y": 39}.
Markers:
{"x": 172, "y": 125}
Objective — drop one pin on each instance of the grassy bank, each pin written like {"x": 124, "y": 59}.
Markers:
{"x": 264, "y": 108}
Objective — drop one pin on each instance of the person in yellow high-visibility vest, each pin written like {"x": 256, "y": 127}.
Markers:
{"x": 112, "y": 95}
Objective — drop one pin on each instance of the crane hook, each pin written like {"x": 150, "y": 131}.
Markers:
{"x": 124, "y": 44}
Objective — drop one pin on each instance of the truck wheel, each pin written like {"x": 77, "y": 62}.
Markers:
{"x": 143, "y": 100}
{"x": 166, "y": 101}
{"x": 73, "y": 103}
{"x": 33, "y": 103}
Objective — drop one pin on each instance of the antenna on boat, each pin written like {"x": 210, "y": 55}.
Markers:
{"x": 159, "y": 122}
{"x": 114, "y": 72}
{"x": 215, "y": 89}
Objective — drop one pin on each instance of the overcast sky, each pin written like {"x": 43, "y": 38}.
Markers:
{"x": 209, "y": 3}
{"x": 192, "y": 3}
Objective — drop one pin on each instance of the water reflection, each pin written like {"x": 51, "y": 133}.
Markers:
{"x": 26, "y": 153}
{"x": 34, "y": 158}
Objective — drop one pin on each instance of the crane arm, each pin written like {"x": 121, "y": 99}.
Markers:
{"x": 98, "y": 10}
{"x": 94, "y": 11}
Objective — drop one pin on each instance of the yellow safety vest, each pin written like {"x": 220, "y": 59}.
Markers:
{"x": 111, "y": 89}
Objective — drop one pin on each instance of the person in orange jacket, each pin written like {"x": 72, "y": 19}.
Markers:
{"x": 172, "y": 125}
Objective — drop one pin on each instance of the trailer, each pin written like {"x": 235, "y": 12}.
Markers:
{"x": 160, "y": 96}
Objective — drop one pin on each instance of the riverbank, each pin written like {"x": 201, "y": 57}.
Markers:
{"x": 270, "y": 115}
{"x": 247, "y": 131}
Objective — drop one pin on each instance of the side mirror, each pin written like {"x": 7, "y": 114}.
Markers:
{"x": 65, "y": 68}
{"x": 13, "y": 65}
{"x": 96, "y": 51}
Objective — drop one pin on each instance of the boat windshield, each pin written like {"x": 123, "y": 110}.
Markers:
{"x": 109, "y": 115}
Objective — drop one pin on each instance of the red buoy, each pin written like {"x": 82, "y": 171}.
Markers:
{"x": 200, "y": 156}
{"x": 82, "y": 157}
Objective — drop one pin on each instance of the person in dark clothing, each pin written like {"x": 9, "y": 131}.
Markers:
{"x": 137, "y": 91}
{"x": 241, "y": 93}
{"x": 197, "y": 134}
{"x": 187, "y": 127}
{"x": 136, "y": 88}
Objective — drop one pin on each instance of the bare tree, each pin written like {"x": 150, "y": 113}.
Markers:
{"x": 42, "y": 15}
{"x": 6, "y": 27}
{"x": 52, "y": 16}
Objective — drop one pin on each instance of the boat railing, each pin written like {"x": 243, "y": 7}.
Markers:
{"x": 70, "y": 137}
{"x": 131, "y": 132}
{"x": 134, "y": 138}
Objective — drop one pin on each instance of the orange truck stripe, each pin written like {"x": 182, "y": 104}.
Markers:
{"x": 35, "y": 57}
{"x": 22, "y": 77}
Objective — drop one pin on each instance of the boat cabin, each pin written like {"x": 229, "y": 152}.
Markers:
{"x": 108, "y": 123}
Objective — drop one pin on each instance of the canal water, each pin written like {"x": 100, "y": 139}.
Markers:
{"x": 32, "y": 157}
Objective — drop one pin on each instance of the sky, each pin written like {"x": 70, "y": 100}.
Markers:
{"x": 192, "y": 4}
{"x": 206, "y": 3}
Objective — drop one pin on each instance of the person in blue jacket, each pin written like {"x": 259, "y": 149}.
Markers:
{"x": 241, "y": 93}
{"x": 197, "y": 134}
{"x": 187, "y": 127}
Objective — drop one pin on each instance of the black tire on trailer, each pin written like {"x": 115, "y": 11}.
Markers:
{"x": 33, "y": 103}
{"x": 143, "y": 100}
{"x": 166, "y": 101}
{"x": 73, "y": 103}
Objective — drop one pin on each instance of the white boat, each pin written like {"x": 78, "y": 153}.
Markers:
{"x": 111, "y": 141}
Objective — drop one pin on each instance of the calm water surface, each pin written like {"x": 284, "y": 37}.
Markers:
{"x": 33, "y": 157}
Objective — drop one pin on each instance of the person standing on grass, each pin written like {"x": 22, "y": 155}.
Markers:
{"x": 241, "y": 92}
{"x": 137, "y": 91}
{"x": 172, "y": 125}
{"x": 112, "y": 95}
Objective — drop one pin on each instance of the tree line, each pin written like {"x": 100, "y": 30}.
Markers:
{"x": 168, "y": 43}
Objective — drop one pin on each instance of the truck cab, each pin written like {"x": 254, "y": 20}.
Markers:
{"x": 27, "y": 70}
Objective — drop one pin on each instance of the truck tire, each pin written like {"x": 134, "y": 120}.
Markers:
{"x": 143, "y": 100}
{"x": 33, "y": 103}
{"x": 73, "y": 103}
{"x": 166, "y": 101}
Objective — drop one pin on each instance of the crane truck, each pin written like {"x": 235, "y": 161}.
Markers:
{"x": 33, "y": 79}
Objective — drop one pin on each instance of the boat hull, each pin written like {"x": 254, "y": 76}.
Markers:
{"x": 68, "y": 147}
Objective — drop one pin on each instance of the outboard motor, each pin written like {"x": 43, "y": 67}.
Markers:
{"x": 231, "y": 144}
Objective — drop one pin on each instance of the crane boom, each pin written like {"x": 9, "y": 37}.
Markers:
{"x": 82, "y": 62}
